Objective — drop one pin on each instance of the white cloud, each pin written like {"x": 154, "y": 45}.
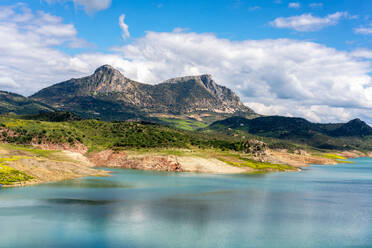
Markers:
{"x": 123, "y": 27}
{"x": 90, "y": 6}
{"x": 283, "y": 76}
{"x": 254, "y": 8}
{"x": 364, "y": 30}
{"x": 28, "y": 55}
{"x": 315, "y": 113}
{"x": 8, "y": 82}
{"x": 281, "y": 72}
{"x": 180, "y": 30}
{"x": 316, "y": 5}
{"x": 308, "y": 22}
{"x": 294, "y": 5}
{"x": 362, "y": 53}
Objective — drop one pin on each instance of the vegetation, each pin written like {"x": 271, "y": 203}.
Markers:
{"x": 236, "y": 149}
{"x": 238, "y": 160}
{"x": 183, "y": 124}
{"x": 337, "y": 158}
{"x": 99, "y": 135}
{"x": 53, "y": 116}
{"x": 332, "y": 156}
{"x": 290, "y": 132}
{"x": 17, "y": 104}
{"x": 29, "y": 150}
{"x": 8, "y": 175}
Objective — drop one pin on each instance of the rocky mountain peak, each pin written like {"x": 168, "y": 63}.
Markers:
{"x": 108, "y": 92}
{"x": 107, "y": 79}
{"x": 106, "y": 69}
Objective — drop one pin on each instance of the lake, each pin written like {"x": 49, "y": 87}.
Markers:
{"x": 322, "y": 206}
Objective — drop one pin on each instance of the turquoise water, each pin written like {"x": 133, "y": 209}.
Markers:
{"x": 323, "y": 206}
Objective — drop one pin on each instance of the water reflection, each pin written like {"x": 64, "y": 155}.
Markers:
{"x": 320, "y": 207}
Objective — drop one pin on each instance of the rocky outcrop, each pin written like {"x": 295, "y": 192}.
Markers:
{"x": 257, "y": 149}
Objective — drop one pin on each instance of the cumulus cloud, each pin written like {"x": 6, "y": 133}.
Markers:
{"x": 284, "y": 72}
{"x": 294, "y": 5}
{"x": 281, "y": 69}
{"x": 123, "y": 27}
{"x": 272, "y": 76}
{"x": 90, "y": 6}
{"x": 308, "y": 22}
{"x": 27, "y": 49}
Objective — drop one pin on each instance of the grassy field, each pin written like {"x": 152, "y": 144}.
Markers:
{"x": 332, "y": 156}
{"x": 335, "y": 157}
{"x": 100, "y": 135}
{"x": 183, "y": 124}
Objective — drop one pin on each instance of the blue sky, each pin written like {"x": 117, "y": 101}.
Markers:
{"x": 230, "y": 19}
{"x": 314, "y": 55}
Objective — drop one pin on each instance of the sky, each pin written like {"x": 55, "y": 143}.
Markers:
{"x": 311, "y": 59}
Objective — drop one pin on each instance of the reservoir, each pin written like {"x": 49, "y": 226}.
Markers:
{"x": 322, "y": 206}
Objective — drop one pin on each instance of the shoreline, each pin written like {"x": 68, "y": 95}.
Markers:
{"x": 53, "y": 165}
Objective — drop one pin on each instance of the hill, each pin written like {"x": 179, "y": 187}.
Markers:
{"x": 17, "y": 104}
{"x": 351, "y": 135}
{"x": 111, "y": 96}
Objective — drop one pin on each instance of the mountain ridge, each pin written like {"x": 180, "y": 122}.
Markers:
{"x": 181, "y": 95}
{"x": 298, "y": 130}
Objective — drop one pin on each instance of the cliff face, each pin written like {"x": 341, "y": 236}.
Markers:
{"x": 112, "y": 96}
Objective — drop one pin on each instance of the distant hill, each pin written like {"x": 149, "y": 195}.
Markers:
{"x": 354, "y": 127}
{"x": 338, "y": 135}
{"x": 52, "y": 116}
{"x": 17, "y": 104}
{"x": 111, "y": 96}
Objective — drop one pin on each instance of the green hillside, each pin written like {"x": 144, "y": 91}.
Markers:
{"x": 342, "y": 136}
{"x": 17, "y": 104}
{"x": 99, "y": 135}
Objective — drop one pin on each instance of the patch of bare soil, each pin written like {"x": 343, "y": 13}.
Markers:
{"x": 68, "y": 165}
{"x": 76, "y": 147}
{"x": 298, "y": 159}
{"x": 110, "y": 158}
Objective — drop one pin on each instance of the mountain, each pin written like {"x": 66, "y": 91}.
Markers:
{"x": 298, "y": 130}
{"x": 14, "y": 103}
{"x": 110, "y": 95}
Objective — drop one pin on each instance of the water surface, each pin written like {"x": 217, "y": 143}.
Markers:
{"x": 323, "y": 206}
